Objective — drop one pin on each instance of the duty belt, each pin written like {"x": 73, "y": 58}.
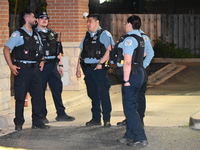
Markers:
{"x": 91, "y": 65}
{"x": 49, "y": 57}
{"x": 23, "y": 65}
{"x": 25, "y": 61}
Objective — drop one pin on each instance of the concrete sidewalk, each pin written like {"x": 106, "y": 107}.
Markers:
{"x": 161, "y": 110}
{"x": 166, "y": 126}
{"x": 73, "y": 101}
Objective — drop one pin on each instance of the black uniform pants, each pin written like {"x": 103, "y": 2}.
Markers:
{"x": 98, "y": 85}
{"x": 141, "y": 99}
{"x": 134, "y": 128}
{"x": 28, "y": 80}
{"x": 51, "y": 76}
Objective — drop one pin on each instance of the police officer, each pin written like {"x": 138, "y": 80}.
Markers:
{"x": 149, "y": 54}
{"x": 53, "y": 67}
{"x": 134, "y": 77}
{"x": 25, "y": 46}
{"x": 96, "y": 46}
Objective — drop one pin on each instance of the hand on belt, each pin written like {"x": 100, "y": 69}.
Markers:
{"x": 24, "y": 65}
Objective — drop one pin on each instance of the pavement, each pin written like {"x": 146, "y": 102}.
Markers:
{"x": 166, "y": 122}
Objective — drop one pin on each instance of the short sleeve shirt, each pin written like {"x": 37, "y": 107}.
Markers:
{"x": 16, "y": 40}
{"x": 130, "y": 43}
{"x": 148, "y": 49}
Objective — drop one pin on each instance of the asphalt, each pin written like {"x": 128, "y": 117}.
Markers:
{"x": 169, "y": 110}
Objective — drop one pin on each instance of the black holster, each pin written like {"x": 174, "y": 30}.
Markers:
{"x": 134, "y": 68}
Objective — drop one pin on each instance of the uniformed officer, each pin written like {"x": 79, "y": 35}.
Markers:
{"x": 134, "y": 77}
{"x": 53, "y": 67}
{"x": 96, "y": 46}
{"x": 149, "y": 54}
{"x": 25, "y": 46}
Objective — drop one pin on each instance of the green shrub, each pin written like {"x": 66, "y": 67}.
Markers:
{"x": 169, "y": 50}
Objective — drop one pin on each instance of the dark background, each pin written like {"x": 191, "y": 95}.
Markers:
{"x": 145, "y": 6}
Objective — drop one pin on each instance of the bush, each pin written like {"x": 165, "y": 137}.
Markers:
{"x": 169, "y": 50}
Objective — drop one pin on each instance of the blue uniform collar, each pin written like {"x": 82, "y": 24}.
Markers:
{"x": 134, "y": 32}
{"x": 92, "y": 34}
{"x": 39, "y": 29}
{"x": 141, "y": 31}
{"x": 31, "y": 33}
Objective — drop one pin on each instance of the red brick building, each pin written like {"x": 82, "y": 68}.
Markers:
{"x": 4, "y": 15}
{"x": 65, "y": 17}
{"x": 5, "y": 72}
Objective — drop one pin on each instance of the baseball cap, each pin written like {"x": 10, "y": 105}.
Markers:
{"x": 41, "y": 15}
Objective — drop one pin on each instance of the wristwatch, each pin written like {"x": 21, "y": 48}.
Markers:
{"x": 100, "y": 63}
{"x": 125, "y": 81}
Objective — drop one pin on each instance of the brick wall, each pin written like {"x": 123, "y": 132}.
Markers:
{"x": 4, "y": 15}
{"x": 66, "y": 17}
{"x": 5, "y": 99}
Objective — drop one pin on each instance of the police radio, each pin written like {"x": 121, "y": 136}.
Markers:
{"x": 59, "y": 48}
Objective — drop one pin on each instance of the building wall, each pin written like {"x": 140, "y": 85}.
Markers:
{"x": 5, "y": 99}
{"x": 66, "y": 18}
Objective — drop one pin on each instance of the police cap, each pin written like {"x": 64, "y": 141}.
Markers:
{"x": 41, "y": 15}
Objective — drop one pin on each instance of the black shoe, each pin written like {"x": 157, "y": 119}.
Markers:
{"x": 18, "y": 127}
{"x": 65, "y": 118}
{"x": 107, "y": 124}
{"x": 93, "y": 122}
{"x": 123, "y": 123}
{"x": 138, "y": 143}
{"x": 45, "y": 120}
{"x": 124, "y": 140}
{"x": 40, "y": 126}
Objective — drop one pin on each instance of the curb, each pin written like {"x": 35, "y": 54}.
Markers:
{"x": 194, "y": 122}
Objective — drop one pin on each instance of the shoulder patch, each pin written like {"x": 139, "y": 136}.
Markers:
{"x": 108, "y": 33}
{"x": 128, "y": 42}
{"x": 145, "y": 38}
{"x": 14, "y": 34}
